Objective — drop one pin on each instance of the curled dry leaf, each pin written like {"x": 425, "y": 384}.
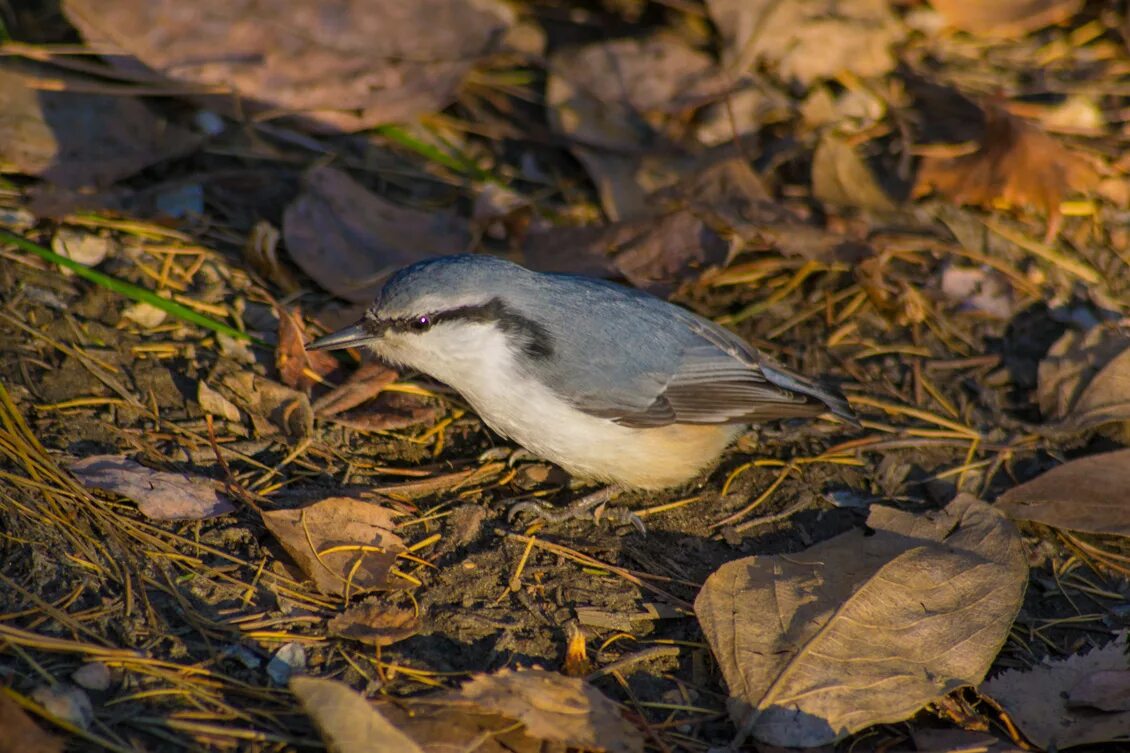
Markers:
{"x": 343, "y": 66}
{"x": 346, "y": 721}
{"x": 77, "y": 140}
{"x": 348, "y": 239}
{"x": 1039, "y": 702}
{"x": 299, "y": 368}
{"x": 376, "y": 623}
{"x": 159, "y": 495}
{"x": 807, "y": 40}
{"x": 344, "y": 545}
{"x": 553, "y": 708}
{"x": 1088, "y": 494}
{"x": 1005, "y": 18}
{"x": 1084, "y": 381}
{"x": 841, "y": 176}
{"x": 862, "y": 630}
{"x": 1015, "y": 165}
{"x": 273, "y": 407}
{"x": 21, "y": 734}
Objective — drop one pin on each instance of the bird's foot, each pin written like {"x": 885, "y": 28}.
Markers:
{"x": 596, "y": 503}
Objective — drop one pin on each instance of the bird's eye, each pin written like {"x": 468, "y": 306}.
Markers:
{"x": 421, "y": 322}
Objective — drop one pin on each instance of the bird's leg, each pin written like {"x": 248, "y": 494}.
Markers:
{"x": 577, "y": 509}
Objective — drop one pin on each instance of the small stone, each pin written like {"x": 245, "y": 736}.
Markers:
{"x": 92, "y": 676}
{"x": 66, "y": 702}
{"x": 287, "y": 661}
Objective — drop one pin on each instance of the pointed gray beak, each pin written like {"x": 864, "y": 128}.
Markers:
{"x": 350, "y": 337}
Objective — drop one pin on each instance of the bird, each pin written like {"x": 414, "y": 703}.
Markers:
{"x": 608, "y": 382}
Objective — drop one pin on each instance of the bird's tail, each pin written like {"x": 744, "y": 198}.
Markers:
{"x": 824, "y": 393}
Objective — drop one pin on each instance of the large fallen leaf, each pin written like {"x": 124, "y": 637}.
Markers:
{"x": 344, "y": 65}
{"x": 349, "y": 240}
{"x": 158, "y": 494}
{"x": 553, "y": 708}
{"x": 1088, "y": 494}
{"x": 363, "y": 385}
{"x": 625, "y": 105}
{"x": 1084, "y": 381}
{"x": 1015, "y": 165}
{"x": 346, "y": 721}
{"x": 862, "y": 630}
{"x": 299, "y": 368}
{"x": 21, "y": 734}
{"x": 78, "y": 140}
{"x": 344, "y": 545}
{"x": 1005, "y": 19}
{"x": 1039, "y": 700}
{"x": 806, "y": 40}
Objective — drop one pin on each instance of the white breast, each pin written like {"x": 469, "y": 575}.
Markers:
{"x": 477, "y": 360}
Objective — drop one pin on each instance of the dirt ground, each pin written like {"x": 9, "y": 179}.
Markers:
{"x": 188, "y": 615}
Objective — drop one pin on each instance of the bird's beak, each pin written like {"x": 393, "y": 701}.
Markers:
{"x": 350, "y": 337}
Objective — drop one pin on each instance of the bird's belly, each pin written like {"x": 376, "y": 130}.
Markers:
{"x": 596, "y": 448}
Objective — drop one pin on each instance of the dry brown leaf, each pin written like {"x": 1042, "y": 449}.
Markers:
{"x": 213, "y": 402}
{"x": 376, "y": 623}
{"x": 1005, "y": 18}
{"x": 862, "y": 630}
{"x": 362, "y": 531}
{"x": 626, "y": 104}
{"x": 554, "y": 708}
{"x": 841, "y": 177}
{"x": 299, "y": 368}
{"x": 159, "y": 495}
{"x": 1038, "y": 700}
{"x": 348, "y": 239}
{"x": 806, "y": 40}
{"x": 927, "y": 740}
{"x": 346, "y": 721}
{"x": 387, "y": 420}
{"x": 345, "y": 66}
{"x": 78, "y": 140}
{"x": 1088, "y": 494}
{"x": 1084, "y": 381}
{"x": 363, "y": 385}
{"x": 21, "y": 734}
{"x": 1016, "y": 165}
{"x": 273, "y": 407}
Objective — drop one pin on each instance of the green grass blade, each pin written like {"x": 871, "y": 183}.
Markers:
{"x": 129, "y": 290}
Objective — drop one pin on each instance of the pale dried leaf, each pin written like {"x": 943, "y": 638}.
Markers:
{"x": 273, "y": 407}
{"x": 346, "y": 721}
{"x": 841, "y": 177}
{"x": 365, "y": 530}
{"x": 1005, "y": 19}
{"x": 343, "y": 66}
{"x": 810, "y": 39}
{"x": 77, "y": 140}
{"x": 376, "y": 623}
{"x": 1087, "y": 494}
{"x": 1038, "y": 700}
{"x": 145, "y": 314}
{"x": 299, "y": 368}
{"x": 21, "y": 734}
{"x": 1016, "y": 165}
{"x": 554, "y": 708}
{"x": 83, "y": 246}
{"x": 863, "y": 630}
{"x": 1105, "y": 690}
{"x": 349, "y": 240}
{"x": 215, "y": 403}
{"x": 363, "y": 385}
{"x": 1071, "y": 365}
{"x": 159, "y": 495}
{"x": 981, "y": 290}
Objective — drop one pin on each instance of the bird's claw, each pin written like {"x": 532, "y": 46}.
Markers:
{"x": 549, "y": 514}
